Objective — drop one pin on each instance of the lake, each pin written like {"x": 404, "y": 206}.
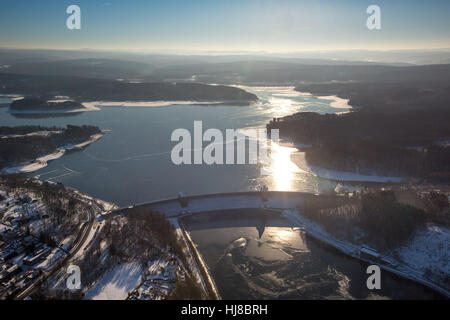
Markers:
{"x": 132, "y": 164}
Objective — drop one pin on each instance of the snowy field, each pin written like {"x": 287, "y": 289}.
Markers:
{"x": 116, "y": 283}
{"x": 425, "y": 258}
{"x": 428, "y": 251}
{"x": 299, "y": 159}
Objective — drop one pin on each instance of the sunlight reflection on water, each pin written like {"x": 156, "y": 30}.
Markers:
{"x": 282, "y": 169}
{"x": 282, "y": 173}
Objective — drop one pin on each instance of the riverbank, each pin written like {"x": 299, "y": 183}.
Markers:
{"x": 196, "y": 264}
{"x": 283, "y": 202}
{"x": 371, "y": 143}
{"x": 389, "y": 263}
{"x": 298, "y": 159}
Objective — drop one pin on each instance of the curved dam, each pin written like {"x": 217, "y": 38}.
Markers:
{"x": 280, "y": 200}
{"x": 228, "y": 226}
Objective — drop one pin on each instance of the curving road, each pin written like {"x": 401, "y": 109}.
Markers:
{"x": 80, "y": 241}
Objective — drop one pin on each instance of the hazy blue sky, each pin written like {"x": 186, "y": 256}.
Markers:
{"x": 231, "y": 25}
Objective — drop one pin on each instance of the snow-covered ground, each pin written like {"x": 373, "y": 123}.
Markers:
{"x": 339, "y": 103}
{"x": 42, "y": 162}
{"x": 31, "y": 134}
{"x": 96, "y": 229}
{"x": 116, "y": 283}
{"x": 351, "y": 176}
{"x": 159, "y": 278}
{"x": 92, "y": 139}
{"x": 149, "y": 104}
{"x": 39, "y": 163}
{"x": 193, "y": 267}
{"x": 317, "y": 231}
{"x": 13, "y": 210}
{"x": 48, "y": 263}
{"x": 87, "y": 107}
{"x": 299, "y": 159}
{"x": 429, "y": 250}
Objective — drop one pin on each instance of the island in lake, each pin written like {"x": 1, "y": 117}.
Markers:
{"x": 34, "y": 103}
{"x": 88, "y": 89}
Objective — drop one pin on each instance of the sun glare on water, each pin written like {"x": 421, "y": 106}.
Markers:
{"x": 282, "y": 107}
{"x": 282, "y": 169}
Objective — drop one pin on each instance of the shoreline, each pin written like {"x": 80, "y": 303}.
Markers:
{"x": 298, "y": 158}
{"x": 337, "y": 175}
{"x": 57, "y": 111}
{"x": 42, "y": 161}
{"x": 338, "y": 102}
{"x": 96, "y": 105}
{"x": 353, "y": 251}
{"x": 289, "y": 91}
{"x": 280, "y": 202}
{"x": 197, "y": 265}
{"x": 209, "y": 280}
{"x": 161, "y": 103}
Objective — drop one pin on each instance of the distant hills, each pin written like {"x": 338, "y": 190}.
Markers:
{"x": 90, "y": 89}
{"x": 275, "y": 72}
{"x": 93, "y": 68}
{"x": 256, "y": 69}
{"x": 93, "y": 75}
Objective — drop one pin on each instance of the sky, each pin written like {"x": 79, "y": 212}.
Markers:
{"x": 226, "y": 25}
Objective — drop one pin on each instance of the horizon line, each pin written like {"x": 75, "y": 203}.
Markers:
{"x": 215, "y": 51}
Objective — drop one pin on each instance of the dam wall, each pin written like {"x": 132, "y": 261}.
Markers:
{"x": 172, "y": 208}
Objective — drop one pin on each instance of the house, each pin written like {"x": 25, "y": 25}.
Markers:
{"x": 12, "y": 271}
{"x": 31, "y": 260}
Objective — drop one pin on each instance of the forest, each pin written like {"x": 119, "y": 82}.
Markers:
{"x": 137, "y": 234}
{"x": 26, "y": 148}
{"x": 90, "y": 89}
{"x": 66, "y": 212}
{"x": 375, "y": 217}
{"x": 388, "y": 97}
{"x": 393, "y": 130}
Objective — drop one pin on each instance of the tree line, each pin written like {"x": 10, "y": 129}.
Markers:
{"x": 372, "y": 216}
